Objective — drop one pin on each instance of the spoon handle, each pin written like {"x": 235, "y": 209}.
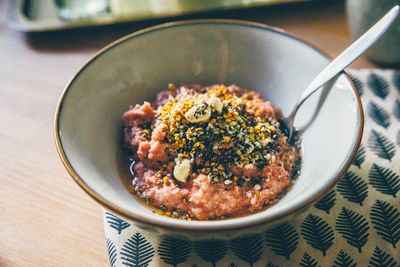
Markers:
{"x": 350, "y": 54}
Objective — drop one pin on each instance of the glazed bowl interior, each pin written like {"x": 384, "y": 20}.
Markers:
{"x": 135, "y": 68}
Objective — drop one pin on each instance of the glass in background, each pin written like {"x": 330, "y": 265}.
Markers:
{"x": 362, "y": 14}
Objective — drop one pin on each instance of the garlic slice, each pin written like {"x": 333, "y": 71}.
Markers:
{"x": 198, "y": 113}
{"x": 215, "y": 102}
{"x": 182, "y": 170}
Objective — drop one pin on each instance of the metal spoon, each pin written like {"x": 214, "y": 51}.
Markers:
{"x": 341, "y": 62}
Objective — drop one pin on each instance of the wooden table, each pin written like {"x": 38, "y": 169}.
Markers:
{"x": 46, "y": 220}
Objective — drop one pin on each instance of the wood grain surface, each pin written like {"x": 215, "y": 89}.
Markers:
{"x": 46, "y": 219}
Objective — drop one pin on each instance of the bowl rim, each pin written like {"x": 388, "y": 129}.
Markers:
{"x": 204, "y": 227}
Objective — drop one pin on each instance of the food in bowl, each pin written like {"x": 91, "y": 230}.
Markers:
{"x": 208, "y": 152}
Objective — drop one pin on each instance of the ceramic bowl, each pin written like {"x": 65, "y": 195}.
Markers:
{"x": 133, "y": 69}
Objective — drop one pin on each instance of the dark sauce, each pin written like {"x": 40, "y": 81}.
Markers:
{"x": 296, "y": 168}
{"x": 126, "y": 164}
{"x": 283, "y": 128}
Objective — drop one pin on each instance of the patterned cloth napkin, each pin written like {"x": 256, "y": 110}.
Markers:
{"x": 355, "y": 224}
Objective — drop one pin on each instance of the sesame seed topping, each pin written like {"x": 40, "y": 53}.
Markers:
{"x": 202, "y": 126}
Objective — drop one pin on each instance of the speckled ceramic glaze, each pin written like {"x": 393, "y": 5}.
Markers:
{"x": 265, "y": 59}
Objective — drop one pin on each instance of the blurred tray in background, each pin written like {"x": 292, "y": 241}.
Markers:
{"x": 51, "y": 15}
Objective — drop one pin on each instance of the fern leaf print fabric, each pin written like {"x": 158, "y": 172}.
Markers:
{"x": 356, "y": 223}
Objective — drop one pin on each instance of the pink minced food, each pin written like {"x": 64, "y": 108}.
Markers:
{"x": 208, "y": 152}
